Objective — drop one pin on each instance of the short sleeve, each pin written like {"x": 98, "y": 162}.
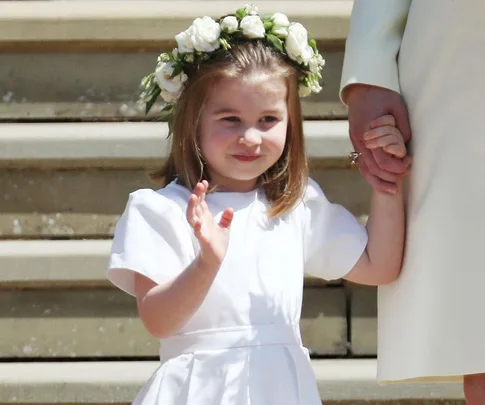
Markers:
{"x": 152, "y": 238}
{"x": 334, "y": 239}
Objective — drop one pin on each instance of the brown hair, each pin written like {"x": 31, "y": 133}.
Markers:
{"x": 285, "y": 181}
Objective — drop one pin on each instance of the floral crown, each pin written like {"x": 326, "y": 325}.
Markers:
{"x": 205, "y": 36}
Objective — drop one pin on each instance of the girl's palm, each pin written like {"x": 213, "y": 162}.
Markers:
{"x": 213, "y": 237}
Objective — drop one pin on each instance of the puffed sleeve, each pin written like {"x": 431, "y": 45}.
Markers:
{"x": 333, "y": 238}
{"x": 153, "y": 238}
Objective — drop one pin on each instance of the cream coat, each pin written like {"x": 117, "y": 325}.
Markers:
{"x": 431, "y": 321}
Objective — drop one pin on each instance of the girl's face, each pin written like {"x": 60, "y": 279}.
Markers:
{"x": 243, "y": 130}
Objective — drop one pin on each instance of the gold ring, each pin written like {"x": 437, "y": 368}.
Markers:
{"x": 353, "y": 156}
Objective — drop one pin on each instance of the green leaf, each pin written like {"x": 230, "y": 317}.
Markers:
{"x": 152, "y": 101}
{"x": 275, "y": 41}
{"x": 268, "y": 25}
{"x": 177, "y": 70}
{"x": 313, "y": 44}
{"x": 266, "y": 16}
{"x": 170, "y": 125}
{"x": 168, "y": 107}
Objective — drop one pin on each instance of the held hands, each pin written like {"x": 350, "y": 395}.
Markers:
{"x": 381, "y": 169}
{"x": 213, "y": 237}
{"x": 386, "y": 137}
{"x": 384, "y": 134}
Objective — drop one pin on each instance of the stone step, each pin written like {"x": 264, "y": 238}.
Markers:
{"x": 105, "y": 85}
{"x": 111, "y": 145}
{"x": 138, "y": 21}
{"x": 340, "y": 382}
{"x": 81, "y": 203}
{"x": 104, "y": 48}
{"x": 55, "y": 301}
{"x": 102, "y": 323}
{"x": 39, "y": 162}
{"x": 30, "y": 264}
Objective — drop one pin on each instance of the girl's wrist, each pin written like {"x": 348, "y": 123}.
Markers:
{"x": 207, "y": 264}
{"x": 396, "y": 191}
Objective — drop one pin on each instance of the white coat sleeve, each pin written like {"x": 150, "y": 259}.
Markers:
{"x": 373, "y": 43}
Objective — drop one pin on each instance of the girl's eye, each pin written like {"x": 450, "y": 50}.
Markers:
{"x": 232, "y": 119}
{"x": 268, "y": 119}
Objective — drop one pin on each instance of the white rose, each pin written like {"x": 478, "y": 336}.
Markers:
{"x": 280, "y": 19}
{"x": 184, "y": 43}
{"x": 315, "y": 87}
{"x": 296, "y": 44}
{"x": 170, "y": 87}
{"x": 167, "y": 96}
{"x": 229, "y": 24}
{"x": 316, "y": 63}
{"x": 251, "y": 9}
{"x": 253, "y": 26}
{"x": 204, "y": 34}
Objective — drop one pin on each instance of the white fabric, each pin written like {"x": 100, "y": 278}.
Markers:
{"x": 431, "y": 322}
{"x": 243, "y": 345}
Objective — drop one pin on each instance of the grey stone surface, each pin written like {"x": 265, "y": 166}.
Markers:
{"x": 74, "y": 145}
{"x": 324, "y": 323}
{"x": 79, "y": 191}
{"x": 39, "y": 264}
{"x": 149, "y": 20}
{"x": 364, "y": 320}
{"x": 103, "y": 322}
{"x": 84, "y": 80}
{"x": 31, "y": 111}
{"x": 339, "y": 382}
{"x": 72, "y": 225}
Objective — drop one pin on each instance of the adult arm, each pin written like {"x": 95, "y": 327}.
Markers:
{"x": 370, "y": 84}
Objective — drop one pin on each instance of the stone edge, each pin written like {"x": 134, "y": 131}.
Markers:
{"x": 49, "y": 263}
{"x": 128, "y": 140}
{"x": 148, "y": 20}
{"x": 118, "y": 382}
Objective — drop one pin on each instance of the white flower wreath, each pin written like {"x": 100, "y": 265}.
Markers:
{"x": 206, "y": 35}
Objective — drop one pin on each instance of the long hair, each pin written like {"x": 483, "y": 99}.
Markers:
{"x": 284, "y": 182}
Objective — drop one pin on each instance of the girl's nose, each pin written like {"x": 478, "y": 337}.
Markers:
{"x": 250, "y": 137}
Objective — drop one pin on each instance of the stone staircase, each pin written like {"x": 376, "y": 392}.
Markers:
{"x": 73, "y": 144}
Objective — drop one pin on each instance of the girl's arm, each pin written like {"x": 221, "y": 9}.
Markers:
{"x": 165, "y": 309}
{"x": 382, "y": 259}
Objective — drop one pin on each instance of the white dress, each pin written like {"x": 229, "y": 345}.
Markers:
{"x": 243, "y": 345}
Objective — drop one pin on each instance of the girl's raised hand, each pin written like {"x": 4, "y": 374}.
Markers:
{"x": 384, "y": 134}
{"x": 213, "y": 237}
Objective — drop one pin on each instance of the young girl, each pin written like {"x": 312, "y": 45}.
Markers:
{"x": 216, "y": 258}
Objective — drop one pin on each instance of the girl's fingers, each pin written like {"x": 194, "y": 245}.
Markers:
{"x": 226, "y": 218}
{"x": 380, "y": 132}
{"x": 384, "y": 141}
{"x": 191, "y": 207}
{"x": 385, "y": 120}
{"x": 397, "y": 150}
{"x": 407, "y": 160}
{"x": 198, "y": 189}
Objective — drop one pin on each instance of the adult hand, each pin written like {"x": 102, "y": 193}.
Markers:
{"x": 367, "y": 103}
